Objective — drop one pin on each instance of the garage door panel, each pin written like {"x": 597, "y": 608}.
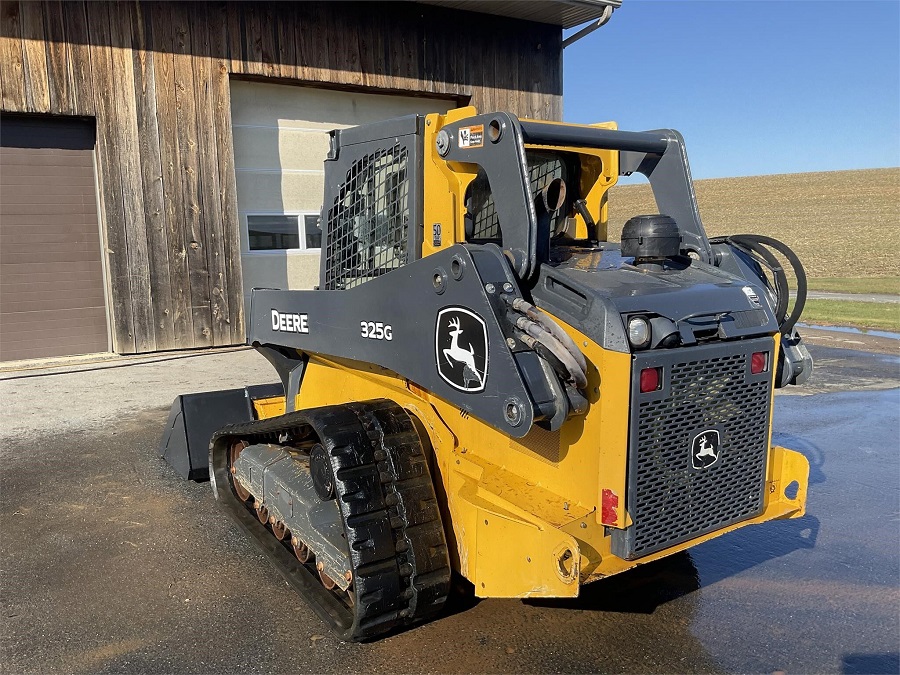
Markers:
{"x": 49, "y": 345}
{"x": 258, "y": 191}
{"x": 284, "y": 148}
{"x": 82, "y": 293}
{"x": 271, "y": 104}
{"x": 68, "y": 254}
{"x": 33, "y": 155}
{"x": 26, "y": 159}
{"x": 77, "y": 192}
{"x": 17, "y": 198}
{"x": 58, "y": 302}
{"x": 63, "y": 270}
{"x": 36, "y": 323}
{"x": 48, "y": 242}
{"x": 52, "y": 298}
{"x": 77, "y": 224}
{"x": 75, "y": 216}
{"x": 67, "y": 175}
{"x": 28, "y": 240}
{"x": 17, "y": 178}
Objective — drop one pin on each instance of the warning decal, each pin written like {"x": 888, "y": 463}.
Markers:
{"x": 471, "y": 137}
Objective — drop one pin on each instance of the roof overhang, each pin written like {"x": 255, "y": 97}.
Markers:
{"x": 564, "y": 13}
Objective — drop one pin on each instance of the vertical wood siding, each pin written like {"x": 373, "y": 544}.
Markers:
{"x": 155, "y": 75}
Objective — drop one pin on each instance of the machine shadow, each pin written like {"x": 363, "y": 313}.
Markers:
{"x": 646, "y": 587}
{"x": 637, "y": 591}
{"x": 811, "y": 451}
{"x": 870, "y": 664}
{"x": 751, "y": 546}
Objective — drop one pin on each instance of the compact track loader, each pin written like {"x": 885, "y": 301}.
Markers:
{"x": 483, "y": 384}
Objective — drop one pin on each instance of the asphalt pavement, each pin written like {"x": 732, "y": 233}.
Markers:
{"x": 111, "y": 563}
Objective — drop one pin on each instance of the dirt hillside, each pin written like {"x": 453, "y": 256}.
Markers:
{"x": 840, "y": 223}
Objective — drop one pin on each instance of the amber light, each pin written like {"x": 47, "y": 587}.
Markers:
{"x": 650, "y": 379}
{"x": 759, "y": 363}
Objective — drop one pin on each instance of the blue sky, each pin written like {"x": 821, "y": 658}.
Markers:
{"x": 756, "y": 87}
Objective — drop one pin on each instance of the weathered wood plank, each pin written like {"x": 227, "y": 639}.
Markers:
{"x": 253, "y": 50}
{"x": 210, "y": 201}
{"x": 233, "y": 306}
{"x": 553, "y": 91}
{"x": 151, "y": 168}
{"x": 507, "y": 63}
{"x": 12, "y": 66}
{"x": 343, "y": 45}
{"x": 232, "y": 20}
{"x": 285, "y": 16}
{"x": 365, "y": 32}
{"x": 79, "y": 65}
{"x": 186, "y": 124}
{"x": 312, "y": 39}
{"x": 125, "y": 135}
{"x": 37, "y": 88}
{"x": 110, "y": 184}
{"x": 163, "y": 29}
{"x": 58, "y": 73}
{"x": 267, "y": 40}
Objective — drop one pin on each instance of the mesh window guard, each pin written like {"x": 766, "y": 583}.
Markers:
{"x": 367, "y": 225}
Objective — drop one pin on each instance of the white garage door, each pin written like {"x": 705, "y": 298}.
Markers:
{"x": 280, "y": 144}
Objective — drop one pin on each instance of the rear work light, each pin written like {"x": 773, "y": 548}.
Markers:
{"x": 650, "y": 378}
{"x": 759, "y": 362}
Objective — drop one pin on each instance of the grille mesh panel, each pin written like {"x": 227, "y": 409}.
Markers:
{"x": 366, "y": 226}
{"x": 670, "y": 501}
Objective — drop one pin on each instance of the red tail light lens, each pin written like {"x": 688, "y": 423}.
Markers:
{"x": 650, "y": 378}
{"x": 759, "y": 363}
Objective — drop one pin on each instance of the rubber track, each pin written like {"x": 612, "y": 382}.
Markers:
{"x": 401, "y": 571}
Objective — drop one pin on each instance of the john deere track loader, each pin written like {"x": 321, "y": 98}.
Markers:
{"x": 482, "y": 383}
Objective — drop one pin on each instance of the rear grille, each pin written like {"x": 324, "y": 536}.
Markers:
{"x": 704, "y": 388}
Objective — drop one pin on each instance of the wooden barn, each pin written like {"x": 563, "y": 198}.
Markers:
{"x": 159, "y": 159}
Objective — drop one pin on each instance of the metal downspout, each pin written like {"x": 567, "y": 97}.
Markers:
{"x": 590, "y": 28}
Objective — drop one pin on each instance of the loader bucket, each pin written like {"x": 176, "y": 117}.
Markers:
{"x": 194, "y": 418}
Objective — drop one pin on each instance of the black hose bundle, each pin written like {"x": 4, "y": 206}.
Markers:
{"x": 545, "y": 336}
{"x": 756, "y": 245}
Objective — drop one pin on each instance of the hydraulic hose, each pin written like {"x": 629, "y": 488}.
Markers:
{"x": 550, "y": 326}
{"x": 756, "y": 244}
{"x": 545, "y": 338}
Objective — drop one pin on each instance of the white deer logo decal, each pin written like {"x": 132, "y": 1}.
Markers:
{"x": 462, "y": 355}
{"x": 461, "y": 349}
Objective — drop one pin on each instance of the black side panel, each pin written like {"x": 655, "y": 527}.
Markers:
{"x": 437, "y": 321}
{"x": 194, "y": 418}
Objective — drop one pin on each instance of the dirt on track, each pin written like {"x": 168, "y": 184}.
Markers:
{"x": 840, "y": 223}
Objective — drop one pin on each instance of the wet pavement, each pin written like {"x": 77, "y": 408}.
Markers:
{"x": 110, "y": 563}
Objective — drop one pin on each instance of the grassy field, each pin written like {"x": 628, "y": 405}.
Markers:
{"x": 884, "y": 315}
{"x": 841, "y": 223}
{"x": 883, "y": 285}
{"x": 844, "y": 226}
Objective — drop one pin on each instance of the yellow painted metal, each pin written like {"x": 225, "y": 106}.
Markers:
{"x": 516, "y": 516}
{"x": 523, "y": 517}
{"x": 445, "y": 184}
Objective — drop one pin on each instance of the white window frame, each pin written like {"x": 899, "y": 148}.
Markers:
{"x": 245, "y": 233}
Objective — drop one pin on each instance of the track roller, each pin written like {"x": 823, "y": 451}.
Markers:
{"x": 369, "y": 459}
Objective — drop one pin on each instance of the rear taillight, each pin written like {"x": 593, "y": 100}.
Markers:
{"x": 759, "y": 363}
{"x": 650, "y": 378}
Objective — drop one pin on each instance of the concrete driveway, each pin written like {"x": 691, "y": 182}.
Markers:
{"x": 111, "y": 563}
